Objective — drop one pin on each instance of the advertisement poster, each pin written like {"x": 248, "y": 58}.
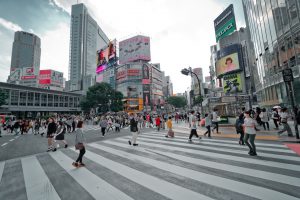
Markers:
{"x": 133, "y": 49}
{"x": 232, "y": 84}
{"x": 227, "y": 64}
{"x": 106, "y": 57}
{"x": 57, "y": 78}
{"x": 15, "y": 74}
{"x": 225, "y": 23}
{"x": 45, "y": 77}
{"x": 28, "y": 73}
{"x": 145, "y": 72}
{"x": 146, "y": 95}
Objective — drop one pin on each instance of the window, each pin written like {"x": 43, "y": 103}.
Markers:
{"x": 37, "y": 99}
{"x": 23, "y": 96}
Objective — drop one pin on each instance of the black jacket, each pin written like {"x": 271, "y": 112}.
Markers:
{"x": 133, "y": 125}
{"x": 51, "y": 128}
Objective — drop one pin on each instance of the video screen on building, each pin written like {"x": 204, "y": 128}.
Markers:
{"x": 232, "y": 83}
{"x": 228, "y": 64}
{"x": 106, "y": 57}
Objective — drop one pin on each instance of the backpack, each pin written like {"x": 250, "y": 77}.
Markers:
{"x": 238, "y": 126}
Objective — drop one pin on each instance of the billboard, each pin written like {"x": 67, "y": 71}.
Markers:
{"x": 106, "y": 57}
{"x": 232, "y": 83}
{"x": 146, "y": 95}
{"x": 45, "y": 77}
{"x": 225, "y": 23}
{"x": 133, "y": 49}
{"x": 28, "y": 73}
{"x": 15, "y": 74}
{"x": 227, "y": 64}
{"x": 57, "y": 78}
{"x": 51, "y": 77}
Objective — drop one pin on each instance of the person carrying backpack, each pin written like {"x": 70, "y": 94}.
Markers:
{"x": 239, "y": 128}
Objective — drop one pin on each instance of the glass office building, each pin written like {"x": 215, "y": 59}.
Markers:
{"x": 275, "y": 32}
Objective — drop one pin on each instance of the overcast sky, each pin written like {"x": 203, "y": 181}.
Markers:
{"x": 181, "y": 31}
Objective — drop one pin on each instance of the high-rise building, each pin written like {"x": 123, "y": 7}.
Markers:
{"x": 275, "y": 31}
{"x": 25, "y": 59}
{"x": 86, "y": 38}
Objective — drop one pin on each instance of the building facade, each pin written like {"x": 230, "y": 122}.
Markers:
{"x": 51, "y": 80}
{"x": 24, "y": 101}
{"x": 25, "y": 59}
{"x": 86, "y": 38}
{"x": 275, "y": 31}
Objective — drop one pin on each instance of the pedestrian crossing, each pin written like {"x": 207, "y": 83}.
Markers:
{"x": 159, "y": 168}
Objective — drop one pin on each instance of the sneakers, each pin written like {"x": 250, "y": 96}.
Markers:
{"x": 54, "y": 149}
{"x": 166, "y": 136}
{"x": 129, "y": 142}
{"x": 66, "y": 145}
{"x": 81, "y": 164}
{"x": 190, "y": 140}
{"x": 135, "y": 144}
{"x": 75, "y": 164}
{"x": 49, "y": 149}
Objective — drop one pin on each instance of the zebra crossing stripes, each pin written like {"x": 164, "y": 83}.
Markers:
{"x": 1, "y": 169}
{"x": 215, "y": 165}
{"x": 97, "y": 187}
{"x": 290, "y": 157}
{"x": 220, "y": 154}
{"x": 244, "y": 188}
{"x": 162, "y": 187}
{"x": 37, "y": 183}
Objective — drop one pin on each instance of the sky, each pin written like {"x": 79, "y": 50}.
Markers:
{"x": 181, "y": 32}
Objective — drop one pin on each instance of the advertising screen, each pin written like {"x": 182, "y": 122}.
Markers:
{"x": 106, "y": 57}
{"x": 227, "y": 64}
{"x": 15, "y": 74}
{"x": 45, "y": 77}
{"x": 133, "y": 49}
{"x": 28, "y": 73}
{"x": 225, "y": 23}
{"x": 232, "y": 84}
{"x": 57, "y": 78}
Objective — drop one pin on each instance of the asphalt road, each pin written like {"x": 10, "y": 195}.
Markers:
{"x": 28, "y": 144}
{"x": 158, "y": 168}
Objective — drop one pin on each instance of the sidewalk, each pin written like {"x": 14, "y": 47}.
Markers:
{"x": 229, "y": 132}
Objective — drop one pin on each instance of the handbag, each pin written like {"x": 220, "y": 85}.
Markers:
{"x": 79, "y": 146}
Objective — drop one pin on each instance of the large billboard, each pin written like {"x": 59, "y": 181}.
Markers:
{"x": 45, "y": 77}
{"x": 228, "y": 60}
{"x": 51, "y": 77}
{"x": 232, "y": 83}
{"x": 28, "y": 73}
{"x": 225, "y": 23}
{"x": 106, "y": 57}
{"x": 133, "y": 49}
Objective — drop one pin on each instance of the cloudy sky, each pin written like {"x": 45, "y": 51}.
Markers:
{"x": 181, "y": 32}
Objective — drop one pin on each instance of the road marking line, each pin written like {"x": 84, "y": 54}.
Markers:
{"x": 228, "y": 184}
{"x": 1, "y": 169}
{"x": 235, "y": 145}
{"x": 4, "y": 144}
{"x": 215, "y": 155}
{"x": 93, "y": 184}
{"x": 160, "y": 186}
{"x": 221, "y": 166}
{"x": 269, "y": 155}
{"x": 37, "y": 184}
{"x": 11, "y": 140}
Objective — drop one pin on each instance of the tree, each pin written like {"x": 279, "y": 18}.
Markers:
{"x": 3, "y": 97}
{"x": 103, "y": 97}
{"x": 198, "y": 100}
{"x": 177, "y": 101}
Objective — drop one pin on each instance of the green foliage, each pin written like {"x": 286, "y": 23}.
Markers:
{"x": 104, "y": 97}
{"x": 177, "y": 101}
{"x": 3, "y": 97}
{"x": 198, "y": 100}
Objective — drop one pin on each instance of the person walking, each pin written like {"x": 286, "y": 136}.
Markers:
{"x": 60, "y": 134}
{"x": 193, "y": 127}
{"x": 239, "y": 128}
{"x": 275, "y": 117}
{"x": 250, "y": 133}
{"x": 157, "y": 122}
{"x": 284, "y": 121}
{"x": 208, "y": 123}
{"x": 51, "y": 129}
{"x": 134, "y": 130}
{"x": 79, "y": 145}
{"x": 37, "y": 126}
{"x": 170, "y": 126}
{"x": 103, "y": 125}
{"x": 215, "y": 120}
{"x": 16, "y": 128}
{"x": 264, "y": 119}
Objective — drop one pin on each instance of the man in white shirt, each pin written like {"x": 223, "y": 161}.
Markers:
{"x": 193, "y": 121}
{"x": 215, "y": 120}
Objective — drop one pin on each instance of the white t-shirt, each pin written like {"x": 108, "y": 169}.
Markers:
{"x": 214, "y": 117}
{"x": 249, "y": 124}
{"x": 193, "y": 122}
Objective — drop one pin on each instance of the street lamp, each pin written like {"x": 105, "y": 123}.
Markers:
{"x": 186, "y": 72}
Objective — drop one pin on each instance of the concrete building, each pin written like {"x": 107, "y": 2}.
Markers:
{"x": 86, "y": 38}
{"x": 167, "y": 86}
{"x": 25, "y": 59}
{"x": 26, "y": 102}
{"x": 275, "y": 31}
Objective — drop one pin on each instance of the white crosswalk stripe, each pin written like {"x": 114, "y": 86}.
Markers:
{"x": 37, "y": 183}
{"x": 162, "y": 168}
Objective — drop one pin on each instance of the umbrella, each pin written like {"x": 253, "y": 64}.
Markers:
{"x": 276, "y": 107}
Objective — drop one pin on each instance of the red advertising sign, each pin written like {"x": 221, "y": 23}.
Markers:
{"x": 133, "y": 72}
{"x": 28, "y": 77}
{"x": 45, "y": 77}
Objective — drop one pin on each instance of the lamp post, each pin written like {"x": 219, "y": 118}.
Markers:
{"x": 186, "y": 72}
